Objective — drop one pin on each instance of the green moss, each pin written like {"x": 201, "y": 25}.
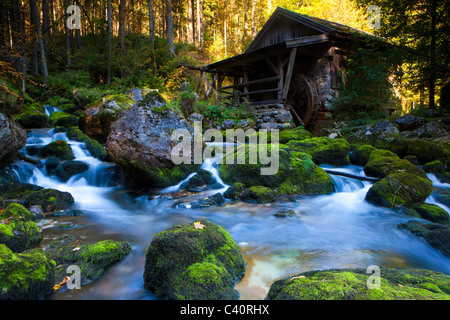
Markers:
{"x": 32, "y": 116}
{"x": 93, "y": 146}
{"x": 298, "y": 133}
{"x": 58, "y": 148}
{"x": 351, "y": 284}
{"x": 20, "y": 235}
{"x": 258, "y": 194}
{"x": 400, "y": 189}
{"x": 382, "y": 163}
{"x": 49, "y": 199}
{"x": 27, "y": 276}
{"x": 183, "y": 262}
{"x": 431, "y": 212}
{"x": 324, "y": 150}
{"x": 15, "y": 210}
{"x": 425, "y": 151}
{"x": 62, "y": 119}
{"x": 360, "y": 155}
{"x": 297, "y": 173}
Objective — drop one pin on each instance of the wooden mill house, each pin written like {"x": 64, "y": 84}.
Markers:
{"x": 296, "y": 61}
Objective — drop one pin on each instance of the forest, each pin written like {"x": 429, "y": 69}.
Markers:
{"x": 351, "y": 99}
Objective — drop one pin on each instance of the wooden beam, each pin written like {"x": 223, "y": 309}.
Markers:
{"x": 290, "y": 68}
{"x": 303, "y": 41}
{"x": 252, "y": 92}
{"x": 264, "y": 80}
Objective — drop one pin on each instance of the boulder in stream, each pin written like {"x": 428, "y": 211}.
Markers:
{"x": 12, "y": 139}
{"x": 195, "y": 261}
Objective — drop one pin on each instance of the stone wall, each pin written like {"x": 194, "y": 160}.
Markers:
{"x": 271, "y": 116}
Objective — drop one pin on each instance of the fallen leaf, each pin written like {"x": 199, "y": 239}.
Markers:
{"x": 198, "y": 225}
{"x": 58, "y": 285}
{"x": 399, "y": 285}
{"x": 76, "y": 249}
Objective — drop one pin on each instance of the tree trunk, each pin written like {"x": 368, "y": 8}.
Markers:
{"x": 151, "y": 20}
{"x": 33, "y": 24}
{"x": 200, "y": 23}
{"x": 34, "y": 10}
{"x": 67, "y": 31}
{"x": 189, "y": 25}
{"x": 432, "y": 79}
{"x": 170, "y": 27}
{"x": 109, "y": 10}
{"x": 122, "y": 24}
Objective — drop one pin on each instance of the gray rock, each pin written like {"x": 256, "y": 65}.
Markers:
{"x": 410, "y": 122}
{"x": 228, "y": 124}
{"x": 12, "y": 139}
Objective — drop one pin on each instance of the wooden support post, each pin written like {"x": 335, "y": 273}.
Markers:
{"x": 281, "y": 74}
{"x": 246, "y": 98}
{"x": 289, "y": 71}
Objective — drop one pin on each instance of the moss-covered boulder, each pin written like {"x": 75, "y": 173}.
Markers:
{"x": 32, "y": 116}
{"x": 25, "y": 276}
{"x": 297, "y": 173}
{"x": 400, "y": 189}
{"x": 196, "y": 261}
{"x": 65, "y": 170}
{"x": 93, "y": 146}
{"x": 351, "y": 284}
{"x": 437, "y": 235}
{"x": 49, "y": 199}
{"x": 11, "y": 101}
{"x": 58, "y": 148}
{"x": 382, "y": 163}
{"x": 62, "y": 119}
{"x": 17, "y": 230}
{"x": 298, "y": 133}
{"x": 258, "y": 194}
{"x": 360, "y": 155}
{"x": 324, "y": 150}
{"x": 431, "y": 212}
{"x": 98, "y": 116}
{"x": 425, "y": 151}
{"x": 91, "y": 258}
{"x": 12, "y": 139}
{"x": 141, "y": 143}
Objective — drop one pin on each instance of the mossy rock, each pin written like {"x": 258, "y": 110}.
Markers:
{"x": 32, "y": 116}
{"x": 425, "y": 151}
{"x": 58, "y": 148}
{"x": 70, "y": 108}
{"x": 49, "y": 199}
{"x": 69, "y": 168}
{"x": 25, "y": 276}
{"x": 431, "y": 212}
{"x": 400, "y": 189}
{"x": 298, "y": 133}
{"x": 382, "y": 163}
{"x": 351, "y": 284}
{"x": 62, "y": 119}
{"x": 186, "y": 263}
{"x": 258, "y": 194}
{"x": 93, "y": 146}
{"x": 17, "y": 230}
{"x": 297, "y": 173}
{"x": 91, "y": 258}
{"x": 437, "y": 235}
{"x": 360, "y": 155}
{"x": 15, "y": 210}
{"x": 324, "y": 150}
{"x": 17, "y": 190}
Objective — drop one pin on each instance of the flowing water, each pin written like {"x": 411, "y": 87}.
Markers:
{"x": 329, "y": 231}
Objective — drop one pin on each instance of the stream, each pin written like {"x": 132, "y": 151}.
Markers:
{"x": 338, "y": 230}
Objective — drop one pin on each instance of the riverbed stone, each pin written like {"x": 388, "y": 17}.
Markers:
{"x": 401, "y": 188}
{"x": 49, "y": 199}
{"x": 437, "y": 235}
{"x": 58, "y": 148}
{"x": 65, "y": 170}
{"x": 324, "y": 150}
{"x": 195, "y": 261}
{"x": 91, "y": 258}
{"x": 425, "y": 151}
{"x": 25, "y": 276}
{"x": 297, "y": 173}
{"x": 98, "y": 116}
{"x": 351, "y": 284}
{"x": 360, "y": 155}
{"x": 381, "y": 163}
{"x": 141, "y": 143}
{"x": 12, "y": 139}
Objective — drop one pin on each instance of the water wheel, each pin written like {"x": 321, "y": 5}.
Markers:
{"x": 303, "y": 99}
